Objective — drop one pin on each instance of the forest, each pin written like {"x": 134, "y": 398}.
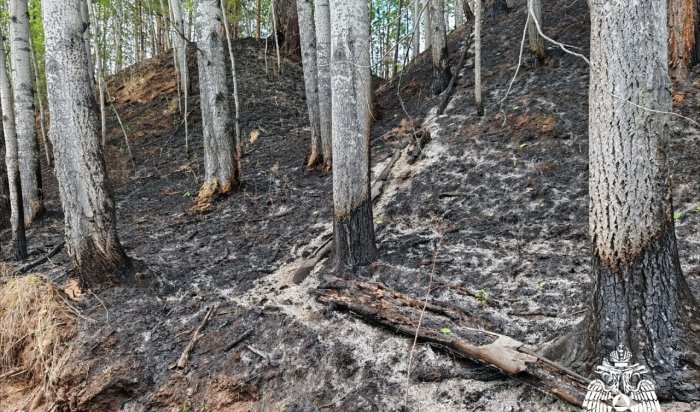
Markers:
{"x": 358, "y": 205}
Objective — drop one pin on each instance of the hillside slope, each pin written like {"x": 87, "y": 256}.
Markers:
{"x": 499, "y": 201}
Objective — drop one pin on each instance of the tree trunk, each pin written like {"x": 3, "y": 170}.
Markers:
{"x": 85, "y": 17}
{"x": 27, "y": 147}
{"x": 459, "y": 13}
{"x": 353, "y": 228}
{"x": 428, "y": 24}
{"x": 257, "y": 19}
{"x": 535, "y": 41}
{"x": 19, "y": 240}
{"x": 100, "y": 78}
{"x": 477, "y": 59}
{"x": 305, "y": 10}
{"x": 641, "y": 299}
{"x": 682, "y": 19}
{"x": 415, "y": 47}
{"x": 88, "y": 205}
{"x": 234, "y": 79}
{"x": 180, "y": 53}
{"x": 285, "y": 14}
{"x": 395, "y": 69}
{"x": 438, "y": 45}
{"x": 5, "y": 210}
{"x": 322, "y": 17}
{"x": 220, "y": 170}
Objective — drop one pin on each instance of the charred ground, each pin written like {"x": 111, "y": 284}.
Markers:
{"x": 500, "y": 201}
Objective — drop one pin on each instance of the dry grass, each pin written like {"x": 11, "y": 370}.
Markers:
{"x": 36, "y": 324}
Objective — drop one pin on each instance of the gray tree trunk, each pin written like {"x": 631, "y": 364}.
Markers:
{"x": 641, "y": 298}
{"x": 438, "y": 46}
{"x": 535, "y": 41}
{"x": 427, "y": 25}
{"x": 307, "y": 33}
{"x": 238, "y": 142}
{"x": 220, "y": 170}
{"x": 19, "y": 240}
{"x": 88, "y": 205}
{"x": 459, "y": 13}
{"x": 322, "y": 17}
{"x": 180, "y": 53}
{"x": 28, "y": 149}
{"x": 85, "y": 16}
{"x": 353, "y": 228}
{"x": 477, "y": 58}
{"x": 99, "y": 73}
{"x": 415, "y": 41}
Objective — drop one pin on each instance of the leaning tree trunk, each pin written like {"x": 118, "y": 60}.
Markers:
{"x": 535, "y": 41}
{"x": 353, "y": 228}
{"x": 88, "y": 205}
{"x": 305, "y": 10}
{"x": 220, "y": 169}
{"x": 438, "y": 44}
{"x": 641, "y": 298}
{"x": 285, "y": 14}
{"x": 28, "y": 149}
{"x": 19, "y": 240}
{"x": 682, "y": 19}
{"x": 322, "y": 18}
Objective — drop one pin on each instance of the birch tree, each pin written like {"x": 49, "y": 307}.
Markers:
{"x": 535, "y": 41}
{"x": 22, "y": 81}
{"x": 220, "y": 170}
{"x": 307, "y": 32}
{"x": 322, "y": 18}
{"x": 88, "y": 205}
{"x": 353, "y": 228}
{"x": 641, "y": 298}
{"x": 19, "y": 241}
{"x": 438, "y": 47}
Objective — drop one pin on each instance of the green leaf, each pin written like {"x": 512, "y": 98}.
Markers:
{"x": 677, "y": 215}
{"x": 378, "y": 221}
{"x": 446, "y": 330}
{"x": 315, "y": 213}
{"x": 523, "y": 145}
{"x": 698, "y": 208}
{"x": 187, "y": 194}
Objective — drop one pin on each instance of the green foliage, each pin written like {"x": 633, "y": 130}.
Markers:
{"x": 482, "y": 297}
{"x": 446, "y": 330}
{"x": 677, "y": 215}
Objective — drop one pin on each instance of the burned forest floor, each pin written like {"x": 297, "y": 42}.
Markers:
{"x": 490, "y": 217}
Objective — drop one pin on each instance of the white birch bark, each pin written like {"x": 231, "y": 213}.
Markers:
{"x": 88, "y": 205}
{"x": 11, "y": 160}
{"x": 351, "y": 100}
{"x": 415, "y": 41}
{"x": 220, "y": 171}
{"x": 23, "y": 89}
{"x": 307, "y": 32}
{"x": 535, "y": 41}
{"x": 322, "y": 17}
{"x": 438, "y": 45}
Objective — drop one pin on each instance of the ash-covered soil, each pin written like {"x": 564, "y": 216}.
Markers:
{"x": 499, "y": 202}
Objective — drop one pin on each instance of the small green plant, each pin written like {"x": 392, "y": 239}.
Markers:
{"x": 523, "y": 145}
{"x": 315, "y": 213}
{"x": 187, "y": 194}
{"x": 677, "y": 215}
{"x": 378, "y": 221}
{"x": 697, "y": 208}
{"x": 446, "y": 330}
{"x": 482, "y": 297}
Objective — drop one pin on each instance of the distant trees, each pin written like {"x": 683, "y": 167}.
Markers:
{"x": 22, "y": 82}
{"x": 641, "y": 298}
{"x": 353, "y": 227}
{"x": 221, "y": 172}
{"x": 90, "y": 221}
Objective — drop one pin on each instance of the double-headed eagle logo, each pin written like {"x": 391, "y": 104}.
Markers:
{"x": 621, "y": 387}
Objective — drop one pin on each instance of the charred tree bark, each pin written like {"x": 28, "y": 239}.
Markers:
{"x": 305, "y": 10}
{"x": 353, "y": 228}
{"x": 88, "y": 205}
{"x": 288, "y": 28}
{"x": 19, "y": 240}
{"x": 535, "y": 41}
{"x": 23, "y": 89}
{"x": 438, "y": 46}
{"x": 641, "y": 298}
{"x": 322, "y": 18}
{"x": 221, "y": 172}
{"x": 682, "y": 21}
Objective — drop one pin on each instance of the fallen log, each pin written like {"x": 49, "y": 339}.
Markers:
{"x": 459, "y": 332}
{"x": 53, "y": 252}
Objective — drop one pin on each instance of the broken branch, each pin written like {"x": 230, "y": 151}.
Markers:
{"x": 185, "y": 356}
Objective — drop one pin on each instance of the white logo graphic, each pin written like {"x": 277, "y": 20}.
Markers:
{"x": 616, "y": 390}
